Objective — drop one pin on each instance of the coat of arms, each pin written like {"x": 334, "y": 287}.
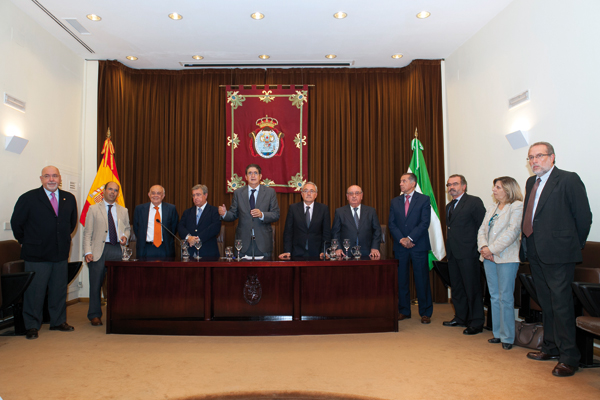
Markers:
{"x": 252, "y": 290}
{"x": 266, "y": 141}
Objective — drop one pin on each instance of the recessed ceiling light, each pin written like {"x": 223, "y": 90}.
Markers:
{"x": 397, "y": 56}
{"x": 175, "y": 16}
{"x": 330, "y": 56}
{"x": 257, "y": 15}
{"x": 131, "y": 58}
{"x": 264, "y": 56}
{"x": 340, "y": 15}
{"x": 197, "y": 57}
{"x": 423, "y": 14}
{"x": 93, "y": 17}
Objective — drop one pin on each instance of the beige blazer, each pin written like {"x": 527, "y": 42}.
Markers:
{"x": 504, "y": 238}
{"x": 96, "y": 228}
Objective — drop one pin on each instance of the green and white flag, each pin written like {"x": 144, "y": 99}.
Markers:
{"x": 417, "y": 167}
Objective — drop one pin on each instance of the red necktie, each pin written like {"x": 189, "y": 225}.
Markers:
{"x": 406, "y": 204}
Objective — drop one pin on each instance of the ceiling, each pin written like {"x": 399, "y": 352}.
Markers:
{"x": 291, "y": 32}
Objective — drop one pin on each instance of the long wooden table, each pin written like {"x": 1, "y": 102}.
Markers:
{"x": 217, "y": 297}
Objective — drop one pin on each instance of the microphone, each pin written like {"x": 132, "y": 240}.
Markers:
{"x": 253, "y": 244}
{"x": 172, "y": 234}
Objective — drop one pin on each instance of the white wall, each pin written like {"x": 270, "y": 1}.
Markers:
{"x": 38, "y": 69}
{"x": 548, "y": 47}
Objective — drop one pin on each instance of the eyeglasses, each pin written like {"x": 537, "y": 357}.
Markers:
{"x": 309, "y": 191}
{"x": 452, "y": 184}
{"x": 353, "y": 193}
{"x": 55, "y": 176}
{"x": 252, "y": 173}
{"x": 537, "y": 157}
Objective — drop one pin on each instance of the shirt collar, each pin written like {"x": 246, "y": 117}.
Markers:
{"x": 49, "y": 193}
{"x": 545, "y": 177}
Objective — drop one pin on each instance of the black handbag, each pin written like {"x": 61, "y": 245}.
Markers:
{"x": 529, "y": 335}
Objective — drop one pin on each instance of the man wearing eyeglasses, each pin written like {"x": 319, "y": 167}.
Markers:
{"x": 464, "y": 215}
{"x": 43, "y": 221}
{"x": 358, "y": 223}
{"x": 556, "y": 222}
{"x": 255, "y": 206}
{"x": 306, "y": 226}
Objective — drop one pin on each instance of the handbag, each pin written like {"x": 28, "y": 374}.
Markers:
{"x": 530, "y": 335}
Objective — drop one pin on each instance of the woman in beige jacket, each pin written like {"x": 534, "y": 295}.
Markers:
{"x": 498, "y": 242}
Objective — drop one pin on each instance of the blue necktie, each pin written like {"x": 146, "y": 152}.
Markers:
{"x": 252, "y": 200}
{"x": 112, "y": 231}
{"x": 198, "y": 214}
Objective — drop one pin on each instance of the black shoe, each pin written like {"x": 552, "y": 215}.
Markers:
{"x": 472, "y": 331}
{"x": 494, "y": 340}
{"x": 507, "y": 346}
{"x": 64, "y": 327}
{"x": 32, "y": 334}
{"x": 454, "y": 322}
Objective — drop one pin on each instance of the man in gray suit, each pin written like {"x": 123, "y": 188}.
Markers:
{"x": 106, "y": 229}
{"x": 256, "y": 207}
{"x": 358, "y": 223}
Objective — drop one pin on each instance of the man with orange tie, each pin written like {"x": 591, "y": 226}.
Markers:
{"x": 148, "y": 221}
{"x": 43, "y": 221}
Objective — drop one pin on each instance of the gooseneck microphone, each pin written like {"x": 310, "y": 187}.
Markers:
{"x": 172, "y": 234}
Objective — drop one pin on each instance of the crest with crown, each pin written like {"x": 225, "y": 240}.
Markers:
{"x": 267, "y": 121}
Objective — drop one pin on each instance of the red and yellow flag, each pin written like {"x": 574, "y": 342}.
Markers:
{"x": 107, "y": 171}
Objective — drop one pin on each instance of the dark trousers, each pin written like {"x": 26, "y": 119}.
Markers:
{"x": 97, "y": 272}
{"x": 51, "y": 276}
{"x": 151, "y": 251}
{"x": 421, "y": 274}
{"x": 553, "y": 287}
{"x": 467, "y": 294}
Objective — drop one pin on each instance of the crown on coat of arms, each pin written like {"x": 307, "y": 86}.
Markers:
{"x": 267, "y": 121}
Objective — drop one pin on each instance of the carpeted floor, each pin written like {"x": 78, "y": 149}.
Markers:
{"x": 418, "y": 362}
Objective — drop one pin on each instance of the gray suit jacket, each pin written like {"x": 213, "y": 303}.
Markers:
{"x": 96, "y": 228}
{"x": 240, "y": 209}
{"x": 368, "y": 232}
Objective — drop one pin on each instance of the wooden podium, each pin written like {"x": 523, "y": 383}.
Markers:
{"x": 219, "y": 297}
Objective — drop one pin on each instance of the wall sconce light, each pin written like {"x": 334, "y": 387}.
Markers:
{"x": 518, "y": 139}
{"x": 15, "y": 144}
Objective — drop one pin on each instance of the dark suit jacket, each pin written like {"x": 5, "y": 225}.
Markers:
{"x": 169, "y": 218}
{"x": 562, "y": 219}
{"x": 415, "y": 224}
{"x": 207, "y": 230}
{"x": 44, "y": 236}
{"x": 462, "y": 228}
{"x": 266, "y": 202}
{"x": 368, "y": 232}
{"x": 296, "y": 233}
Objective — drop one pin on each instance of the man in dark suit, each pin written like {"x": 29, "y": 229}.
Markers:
{"x": 256, "y": 207}
{"x": 556, "y": 222}
{"x": 410, "y": 214}
{"x": 306, "y": 226}
{"x": 464, "y": 215}
{"x": 201, "y": 222}
{"x": 43, "y": 221}
{"x": 363, "y": 230}
{"x": 152, "y": 240}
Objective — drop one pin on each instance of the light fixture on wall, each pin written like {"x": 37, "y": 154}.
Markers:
{"x": 15, "y": 144}
{"x": 518, "y": 139}
{"x": 14, "y": 103}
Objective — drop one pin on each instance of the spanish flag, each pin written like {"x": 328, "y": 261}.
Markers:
{"x": 107, "y": 171}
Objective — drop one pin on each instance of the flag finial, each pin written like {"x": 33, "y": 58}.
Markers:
{"x": 108, "y": 134}
{"x": 416, "y": 133}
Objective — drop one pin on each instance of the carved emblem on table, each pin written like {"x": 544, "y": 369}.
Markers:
{"x": 252, "y": 290}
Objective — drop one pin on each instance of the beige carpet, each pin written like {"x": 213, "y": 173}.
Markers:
{"x": 419, "y": 362}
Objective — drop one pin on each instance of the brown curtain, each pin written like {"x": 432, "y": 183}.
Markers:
{"x": 168, "y": 128}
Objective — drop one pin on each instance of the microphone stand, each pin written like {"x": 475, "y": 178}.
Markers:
{"x": 172, "y": 234}
{"x": 253, "y": 244}
{"x": 325, "y": 250}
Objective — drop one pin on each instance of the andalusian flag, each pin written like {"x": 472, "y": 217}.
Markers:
{"x": 417, "y": 167}
{"x": 107, "y": 171}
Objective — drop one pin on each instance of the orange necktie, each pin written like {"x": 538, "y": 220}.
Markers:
{"x": 157, "y": 229}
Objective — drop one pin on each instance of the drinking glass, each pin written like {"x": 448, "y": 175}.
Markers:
{"x": 185, "y": 255}
{"x": 356, "y": 252}
{"x": 228, "y": 253}
{"x": 197, "y": 245}
{"x": 331, "y": 252}
{"x": 238, "y": 246}
{"x": 334, "y": 244}
{"x": 346, "y": 244}
{"x": 127, "y": 252}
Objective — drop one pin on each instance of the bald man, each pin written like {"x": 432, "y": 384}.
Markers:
{"x": 152, "y": 240}
{"x": 43, "y": 221}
